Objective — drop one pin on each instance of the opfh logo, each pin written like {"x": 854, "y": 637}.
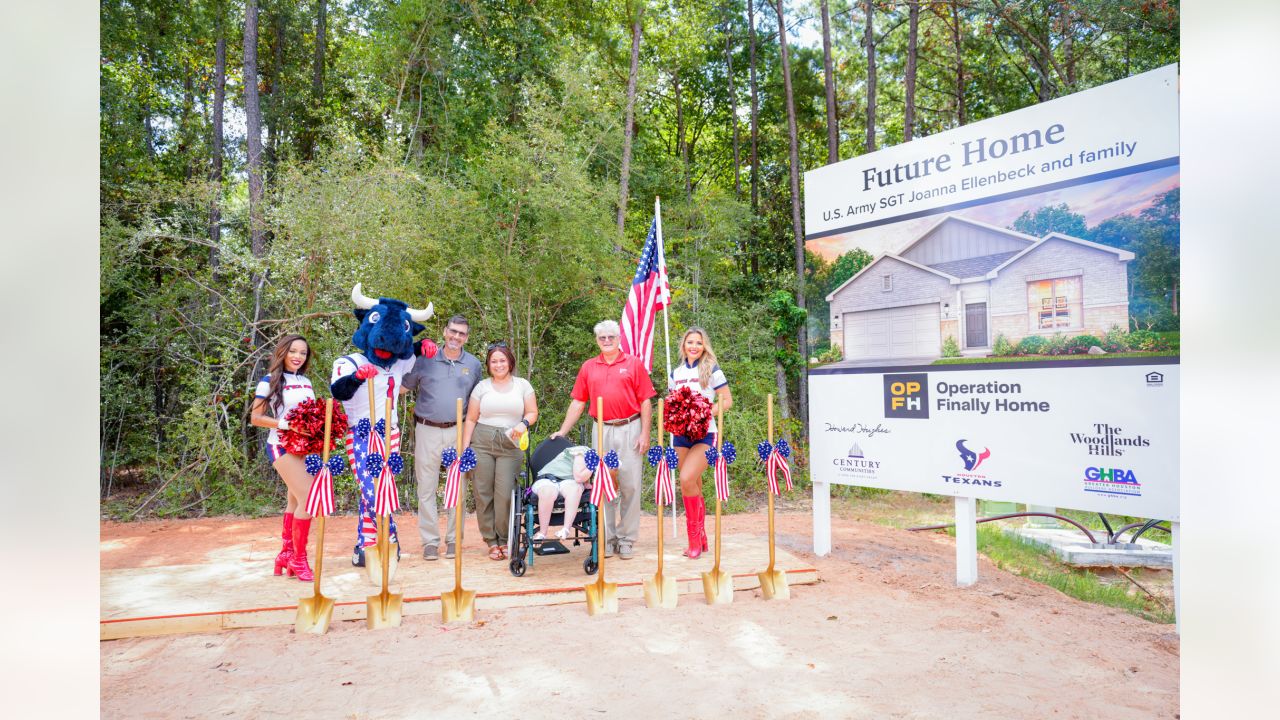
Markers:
{"x": 971, "y": 459}
{"x": 906, "y": 395}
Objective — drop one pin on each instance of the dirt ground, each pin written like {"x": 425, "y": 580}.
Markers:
{"x": 885, "y": 633}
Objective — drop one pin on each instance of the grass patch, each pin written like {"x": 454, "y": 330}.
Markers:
{"x": 1024, "y": 559}
{"x": 1036, "y": 358}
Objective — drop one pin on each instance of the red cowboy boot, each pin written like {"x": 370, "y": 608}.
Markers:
{"x": 286, "y": 551}
{"x": 695, "y": 519}
{"x": 298, "y": 563}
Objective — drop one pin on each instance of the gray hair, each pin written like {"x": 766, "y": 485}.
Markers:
{"x": 607, "y": 327}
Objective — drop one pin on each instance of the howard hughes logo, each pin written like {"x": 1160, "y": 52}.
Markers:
{"x": 1108, "y": 440}
{"x": 1116, "y": 482}
{"x": 972, "y": 460}
{"x": 856, "y": 465}
{"x": 906, "y": 395}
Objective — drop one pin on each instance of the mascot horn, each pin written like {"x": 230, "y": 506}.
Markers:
{"x": 386, "y": 352}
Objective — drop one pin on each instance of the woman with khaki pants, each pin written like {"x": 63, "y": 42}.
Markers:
{"x": 501, "y": 409}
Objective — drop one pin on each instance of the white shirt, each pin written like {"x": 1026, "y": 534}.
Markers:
{"x": 501, "y": 408}
{"x": 293, "y": 390}
{"x": 686, "y": 375}
{"x": 358, "y": 406}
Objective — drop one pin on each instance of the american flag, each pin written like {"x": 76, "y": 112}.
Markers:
{"x": 650, "y": 292}
{"x": 388, "y": 500}
{"x": 603, "y": 487}
{"x": 775, "y": 464}
{"x": 666, "y": 493}
{"x": 452, "y": 483}
{"x": 320, "y": 498}
{"x": 357, "y": 451}
{"x": 722, "y": 478}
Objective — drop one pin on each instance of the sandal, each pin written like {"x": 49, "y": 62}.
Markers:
{"x": 502, "y": 550}
{"x": 495, "y": 552}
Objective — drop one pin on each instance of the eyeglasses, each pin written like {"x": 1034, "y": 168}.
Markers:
{"x": 459, "y": 333}
{"x": 606, "y": 338}
{"x": 498, "y": 344}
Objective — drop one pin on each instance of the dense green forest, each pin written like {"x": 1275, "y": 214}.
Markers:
{"x": 501, "y": 158}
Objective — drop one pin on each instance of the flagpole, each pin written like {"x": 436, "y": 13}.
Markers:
{"x": 666, "y": 337}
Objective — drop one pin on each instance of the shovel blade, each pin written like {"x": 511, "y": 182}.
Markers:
{"x": 314, "y": 614}
{"x": 383, "y": 611}
{"x": 660, "y": 592}
{"x": 602, "y": 597}
{"x": 373, "y": 564}
{"x": 458, "y": 605}
{"x": 717, "y": 585}
{"x": 773, "y": 585}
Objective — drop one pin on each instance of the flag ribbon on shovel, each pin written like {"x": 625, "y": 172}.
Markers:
{"x": 456, "y": 467}
{"x": 775, "y": 461}
{"x": 320, "y": 497}
{"x": 602, "y": 488}
{"x": 666, "y": 461}
{"x": 721, "y": 461}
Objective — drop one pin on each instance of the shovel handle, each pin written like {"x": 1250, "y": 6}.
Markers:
{"x": 328, "y": 429}
{"x": 459, "y": 514}
{"x": 601, "y": 540}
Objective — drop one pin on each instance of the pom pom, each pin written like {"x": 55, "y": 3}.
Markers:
{"x": 468, "y": 461}
{"x": 711, "y": 456}
{"x": 337, "y": 465}
{"x": 305, "y": 435}
{"x": 396, "y": 463}
{"x": 611, "y": 459}
{"x": 448, "y": 456}
{"x": 592, "y": 460}
{"x": 672, "y": 459}
{"x": 763, "y": 450}
{"x": 655, "y": 455}
{"x": 687, "y": 413}
{"x": 373, "y": 464}
{"x": 783, "y": 449}
{"x": 362, "y": 429}
{"x": 382, "y": 427}
{"x": 314, "y": 463}
{"x": 729, "y": 452}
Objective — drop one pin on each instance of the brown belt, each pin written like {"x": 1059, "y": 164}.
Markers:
{"x": 622, "y": 421}
{"x": 432, "y": 423}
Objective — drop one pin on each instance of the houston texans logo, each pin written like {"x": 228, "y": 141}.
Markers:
{"x": 971, "y": 459}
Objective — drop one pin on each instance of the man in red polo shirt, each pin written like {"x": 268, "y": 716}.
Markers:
{"x": 625, "y": 386}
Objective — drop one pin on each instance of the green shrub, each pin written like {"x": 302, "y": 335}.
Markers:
{"x": 1115, "y": 340}
{"x": 1148, "y": 341}
{"x": 1002, "y": 347}
{"x": 1056, "y": 345}
{"x": 1080, "y": 344}
{"x": 950, "y": 348}
{"x": 831, "y": 354}
{"x": 1032, "y": 345}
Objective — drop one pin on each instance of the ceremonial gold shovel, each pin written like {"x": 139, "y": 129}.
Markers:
{"x": 374, "y": 564}
{"x": 773, "y": 583}
{"x": 602, "y": 597}
{"x": 458, "y": 604}
{"x": 660, "y": 591}
{"x": 383, "y": 610}
{"x": 717, "y": 584}
{"x": 315, "y": 612}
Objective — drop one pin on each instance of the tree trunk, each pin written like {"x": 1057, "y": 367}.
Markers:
{"x": 869, "y": 38}
{"x": 274, "y": 81}
{"x": 755, "y": 136}
{"x": 253, "y": 125}
{"x": 796, "y": 226}
{"x": 733, "y": 110}
{"x": 958, "y": 42}
{"x": 629, "y": 128}
{"x": 780, "y": 380}
{"x": 828, "y": 77}
{"x": 682, "y": 147}
{"x": 909, "y": 113}
{"x": 215, "y": 169}
{"x": 317, "y": 78}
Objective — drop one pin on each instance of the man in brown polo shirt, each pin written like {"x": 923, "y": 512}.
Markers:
{"x": 626, "y": 388}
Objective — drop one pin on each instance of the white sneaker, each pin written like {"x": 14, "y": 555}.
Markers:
{"x": 539, "y": 536}
{"x": 563, "y": 533}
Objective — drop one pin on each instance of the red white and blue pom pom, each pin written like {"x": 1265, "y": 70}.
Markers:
{"x": 729, "y": 452}
{"x": 337, "y": 465}
{"x": 763, "y": 450}
{"x": 468, "y": 462}
{"x": 314, "y": 463}
{"x": 655, "y": 455}
{"x": 382, "y": 427}
{"x": 672, "y": 459}
{"x": 711, "y": 456}
{"x": 611, "y": 459}
{"x": 362, "y": 429}
{"x": 592, "y": 459}
{"x": 373, "y": 464}
{"x": 396, "y": 463}
{"x": 783, "y": 449}
{"x": 448, "y": 456}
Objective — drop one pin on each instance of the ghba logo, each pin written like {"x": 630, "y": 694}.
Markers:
{"x": 1116, "y": 482}
{"x": 971, "y": 459}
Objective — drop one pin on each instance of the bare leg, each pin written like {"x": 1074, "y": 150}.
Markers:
{"x": 572, "y": 494}
{"x": 691, "y": 468}
{"x": 293, "y": 471}
{"x": 547, "y": 493}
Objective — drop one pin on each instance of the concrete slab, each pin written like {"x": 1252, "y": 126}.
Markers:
{"x": 231, "y": 585}
{"x": 1073, "y": 548}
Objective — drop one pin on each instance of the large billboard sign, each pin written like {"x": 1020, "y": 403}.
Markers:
{"x": 1012, "y": 328}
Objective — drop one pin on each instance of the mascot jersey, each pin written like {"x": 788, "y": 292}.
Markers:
{"x": 358, "y": 406}
{"x": 293, "y": 390}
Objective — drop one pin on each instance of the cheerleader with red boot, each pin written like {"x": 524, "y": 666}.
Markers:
{"x": 284, "y": 387}
{"x": 698, "y": 387}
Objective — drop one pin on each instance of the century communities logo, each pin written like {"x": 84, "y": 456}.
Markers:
{"x": 855, "y": 465}
{"x": 906, "y": 395}
{"x": 972, "y": 456}
{"x": 1108, "y": 440}
{"x": 1116, "y": 482}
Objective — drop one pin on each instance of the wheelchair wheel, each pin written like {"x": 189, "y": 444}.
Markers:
{"x": 589, "y": 566}
{"x": 517, "y": 566}
{"x": 513, "y": 547}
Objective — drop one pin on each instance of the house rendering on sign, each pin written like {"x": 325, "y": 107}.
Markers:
{"x": 972, "y": 281}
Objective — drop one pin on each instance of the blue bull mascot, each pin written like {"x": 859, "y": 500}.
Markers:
{"x": 387, "y": 351}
